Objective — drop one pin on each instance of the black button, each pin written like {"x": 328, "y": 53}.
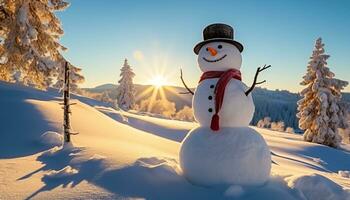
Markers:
{"x": 210, "y": 110}
{"x": 210, "y": 97}
{"x": 212, "y": 86}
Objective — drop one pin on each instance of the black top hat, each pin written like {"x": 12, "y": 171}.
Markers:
{"x": 218, "y": 33}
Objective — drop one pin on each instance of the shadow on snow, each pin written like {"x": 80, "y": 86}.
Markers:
{"x": 149, "y": 178}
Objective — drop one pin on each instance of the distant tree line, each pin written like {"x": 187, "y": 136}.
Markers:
{"x": 277, "y": 105}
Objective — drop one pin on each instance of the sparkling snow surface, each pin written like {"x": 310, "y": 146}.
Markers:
{"x": 112, "y": 158}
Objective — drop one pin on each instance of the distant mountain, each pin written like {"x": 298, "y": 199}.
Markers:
{"x": 101, "y": 88}
{"x": 279, "y": 105}
{"x": 172, "y": 93}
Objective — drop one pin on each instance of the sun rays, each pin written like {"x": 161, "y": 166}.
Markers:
{"x": 154, "y": 91}
{"x": 158, "y": 73}
{"x": 158, "y": 81}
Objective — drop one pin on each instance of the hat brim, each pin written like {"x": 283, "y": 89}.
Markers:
{"x": 233, "y": 42}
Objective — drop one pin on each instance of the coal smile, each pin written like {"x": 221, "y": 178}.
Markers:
{"x": 215, "y": 60}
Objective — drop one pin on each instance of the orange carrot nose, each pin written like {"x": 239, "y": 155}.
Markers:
{"x": 212, "y": 51}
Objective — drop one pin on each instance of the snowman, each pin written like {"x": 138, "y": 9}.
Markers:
{"x": 223, "y": 149}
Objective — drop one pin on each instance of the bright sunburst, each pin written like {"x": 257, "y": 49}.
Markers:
{"x": 158, "y": 73}
{"x": 158, "y": 81}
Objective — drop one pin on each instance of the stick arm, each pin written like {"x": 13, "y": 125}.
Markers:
{"x": 255, "y": 82}
{"x": 189, "y": 91}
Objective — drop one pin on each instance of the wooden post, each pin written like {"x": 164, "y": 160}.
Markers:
{"x": 66, "y": 104}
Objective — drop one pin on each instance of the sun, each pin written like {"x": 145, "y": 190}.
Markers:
{"x": 158, "y": 81}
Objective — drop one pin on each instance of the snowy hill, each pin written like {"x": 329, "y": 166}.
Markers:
{"x": 119, "y": 155}
{"x": 103, "y": 87}
{"x": 267, "y": 102}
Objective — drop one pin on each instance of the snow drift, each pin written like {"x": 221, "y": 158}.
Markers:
{"x": 51, "y": 138}
{"x": 114, "y": 159}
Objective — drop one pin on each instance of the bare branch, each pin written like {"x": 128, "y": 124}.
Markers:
{"x": 184, "y": 93}
{"x": 261, "y": 82}
{"x": 265, "y": 67}
{"x": 183, "y": 82}
{"x": 255, "y": 82}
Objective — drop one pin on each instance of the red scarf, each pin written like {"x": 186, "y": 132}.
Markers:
{"x": 224, "y": 78}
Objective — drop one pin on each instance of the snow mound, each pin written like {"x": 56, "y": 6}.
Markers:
{"x": 59, "y": 149}
{"x": 65, "y": 172}
{"x": 234, "y": 156}
{"x": 97, "y": 157}
{"x": 162, "y": 165}
{"x": 315, "y": 187}
{"x": 51, "y": 138}
{"x": 51, "y": 151}
{"x": 234, "y": 191}
{"x": 125, "y": 119}
{"x": 319, "y": 161}
{"x": 344, "y": 174}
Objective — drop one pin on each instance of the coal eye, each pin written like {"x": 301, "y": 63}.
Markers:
{"x": 220, "y": 46}
{"x": 207, "y": 49}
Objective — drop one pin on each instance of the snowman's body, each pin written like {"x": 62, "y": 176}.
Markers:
{"x": 238, "y": 109}
{"x": 234, "y": 154}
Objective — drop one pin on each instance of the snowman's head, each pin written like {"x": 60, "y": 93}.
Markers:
{"x": 219, "y": 56}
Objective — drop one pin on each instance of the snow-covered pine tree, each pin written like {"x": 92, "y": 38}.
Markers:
{"x": 105, "y": 97}
{"x": 5, "y": 21}
{"x": 277, "y": 126}
{"x": 126, "y": 88}
{"x": 345, "y": 125}
{"x": 30, "y": 48}
{"x": 319, "y": 112}
{"x": 264, "y": 123}
{"x": 185, "y": 114}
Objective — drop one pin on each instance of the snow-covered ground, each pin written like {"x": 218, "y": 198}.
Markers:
{"x": 120, "y": 155}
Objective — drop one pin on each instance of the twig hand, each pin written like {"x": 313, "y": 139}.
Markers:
{"x": 189, "y": 91}
{"x": 256, "y": 79}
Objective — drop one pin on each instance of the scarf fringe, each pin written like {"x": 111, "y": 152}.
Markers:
{"x": 215, "y": 122}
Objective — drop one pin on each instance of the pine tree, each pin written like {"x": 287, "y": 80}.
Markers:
{"x": 345, "y": 126}
{"x": 30, "y": 48}
{"x": 126, "y": 89}
{"x": 319, "y": 112}
{"x": 105, "y": 97}
{"x": 5, "y": 19}
{"x": 277, "y": 126}
{"x": 185, "y": 114}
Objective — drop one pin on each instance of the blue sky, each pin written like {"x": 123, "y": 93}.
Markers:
{"x": 158, "y": 37}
